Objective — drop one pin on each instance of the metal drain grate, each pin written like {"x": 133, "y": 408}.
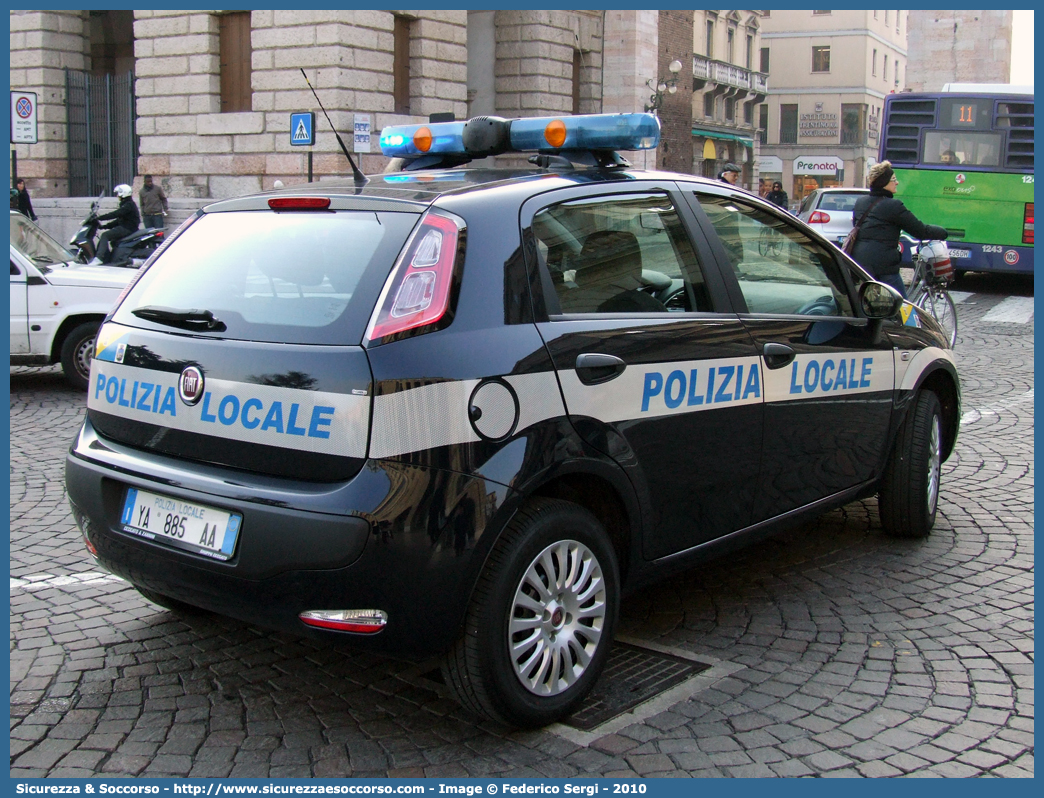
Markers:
{"x": 631, "y": 676}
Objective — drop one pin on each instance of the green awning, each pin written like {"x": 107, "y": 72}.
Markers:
{"x": 714, "y": 134}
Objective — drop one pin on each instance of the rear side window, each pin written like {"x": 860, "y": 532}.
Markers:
{"x": 291, "y": 277}
{"x": 627, "y": 254}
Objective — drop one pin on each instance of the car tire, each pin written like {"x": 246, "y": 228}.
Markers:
{"x": 77, "y": 352}
{"x": 168, "y": 603}
{"x": 525, "y": 687}
{"x": 909, "y": 496}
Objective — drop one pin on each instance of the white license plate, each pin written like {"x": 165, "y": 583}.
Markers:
{"x": 181, "y": 524}
{"x": 957, "y": 254}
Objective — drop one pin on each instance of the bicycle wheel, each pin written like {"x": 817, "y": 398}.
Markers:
{"x": 940, "y": 305}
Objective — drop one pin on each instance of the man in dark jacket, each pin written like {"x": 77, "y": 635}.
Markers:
{"x": 25, "y": 205}
{"x": 877, "y": 245}
{"x": 153, "y": 203}
{"x": 125, "y": 220}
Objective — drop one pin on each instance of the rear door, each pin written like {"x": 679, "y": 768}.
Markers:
{"x": 829, "y": 373}
{"x": 655, "y": 369}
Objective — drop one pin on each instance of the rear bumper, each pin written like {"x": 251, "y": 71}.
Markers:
{"x": 406, "y": 540}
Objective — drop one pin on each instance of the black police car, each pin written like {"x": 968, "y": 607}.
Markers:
{"x": 464, "y": 410}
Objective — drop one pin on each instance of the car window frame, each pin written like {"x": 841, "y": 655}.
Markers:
{"x": 542, "y": 289}
{"x": 729, "y": 274}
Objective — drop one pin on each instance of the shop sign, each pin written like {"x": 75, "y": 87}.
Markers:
{"x": 818, "y": 165}
{"x": 770, "y": 163}
{"x": 874, "y": 126}
{"x": 817, "y": 124}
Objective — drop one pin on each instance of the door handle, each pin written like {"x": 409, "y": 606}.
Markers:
{"x": 777, "y": 355}
{"x": 594, "y": 368}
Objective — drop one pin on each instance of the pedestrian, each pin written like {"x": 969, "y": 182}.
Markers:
{"x": 778, "y": 196}
{"x": 729, "y": 174}
{"x": 153, "y": 204}
{"x": 881, "y": 217}
{"x": 25, "y": 205}
{"x": 125, "y": 220}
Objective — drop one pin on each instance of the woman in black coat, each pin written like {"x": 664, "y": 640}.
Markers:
{"x": 877, "y": 246}
{"x": 778, "y": 196}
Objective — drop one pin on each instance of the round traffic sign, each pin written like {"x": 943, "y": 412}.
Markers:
{"x": 24, "y": 107}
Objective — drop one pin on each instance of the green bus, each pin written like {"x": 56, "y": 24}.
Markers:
{"x": 964, "y": 159}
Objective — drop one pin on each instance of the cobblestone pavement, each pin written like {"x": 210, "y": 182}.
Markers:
{"x": 853, "y": 654}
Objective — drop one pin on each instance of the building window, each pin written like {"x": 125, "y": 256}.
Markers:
{"x": 763, "y": 123}
{"x": 730, "y": 49}
{"x": 853, "y": 123}
{"x": 897, "y": 20}
{"x": 873, "y": 63}
{"x": 896, "y": 73}
{"x": 401, "y": 66}
{"x": 765, "y": 60}
{"x": 886, "y": 19}
{"x": 234, "y": 46}
{"x": 788, "y": 124}
{"x": 577, "y": 63}
{"x": 710, "y": 38}
{"x": 821, "y": 59}
{"x": 708, "y": 105}
{"x": 884, "y": 73}
{"x": 875, "y": 15}
{"x": 750, "y": 53}
{"x": 820, "y": 13}
{"x": 730, "y": 109}
{"x": 748, "y": 113}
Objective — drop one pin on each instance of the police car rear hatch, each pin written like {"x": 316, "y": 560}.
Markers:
{"x": 241, "y": 345}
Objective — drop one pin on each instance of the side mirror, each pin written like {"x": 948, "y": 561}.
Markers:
{"x": 879, "y": 301}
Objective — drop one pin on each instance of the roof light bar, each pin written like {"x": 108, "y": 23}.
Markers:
{"x": 360, "y": 621}
{"x": 535, "y": 134}
{"x": 411, "y": 141}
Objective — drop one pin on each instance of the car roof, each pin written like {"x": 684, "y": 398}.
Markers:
{"x": 422, "y": 187}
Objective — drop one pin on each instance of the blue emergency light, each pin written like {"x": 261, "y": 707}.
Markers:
{"x": 484, "y": 136}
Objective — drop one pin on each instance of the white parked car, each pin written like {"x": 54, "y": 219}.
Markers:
{"x": 829, "y": 211}
{"x": 57, "y": 304}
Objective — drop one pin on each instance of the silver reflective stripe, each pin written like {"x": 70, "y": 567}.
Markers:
{"x": 908, "y": 373}
{"x": 290, "y": 418}
{"x": 437, "y": 415}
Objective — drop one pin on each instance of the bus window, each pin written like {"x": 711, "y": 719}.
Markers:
{"x": 959, "y": 147}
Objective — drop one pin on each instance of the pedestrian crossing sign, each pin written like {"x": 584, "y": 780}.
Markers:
{"x": 302, "y": 129}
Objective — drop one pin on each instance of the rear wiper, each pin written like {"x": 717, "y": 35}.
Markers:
{"x": 185, "y": 319}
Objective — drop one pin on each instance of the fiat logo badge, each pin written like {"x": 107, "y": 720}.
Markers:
{"x": 960, "y": 178}
{"x": 190, "y": 385}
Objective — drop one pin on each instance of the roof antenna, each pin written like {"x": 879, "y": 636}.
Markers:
{"x": 358, "y": 176}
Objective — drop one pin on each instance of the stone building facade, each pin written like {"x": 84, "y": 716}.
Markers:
{"x": 213, "y": 90}
{"x": 958, "y": 46}
{"x": 831, "y": 71}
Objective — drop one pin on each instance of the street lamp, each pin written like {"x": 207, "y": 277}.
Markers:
{"x": 663, "y": 85}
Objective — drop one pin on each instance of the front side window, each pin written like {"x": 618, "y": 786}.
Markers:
{"x": 780, "y": 270}
{"x": 35, "y": 244}
{"x": 625, "y": 255}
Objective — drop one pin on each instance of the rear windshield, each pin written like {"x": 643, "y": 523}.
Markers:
{"x": 836, "y": 201}
{"x": 291, "y": 277}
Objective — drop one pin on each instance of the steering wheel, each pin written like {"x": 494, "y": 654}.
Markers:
{"x": 822, "y": 306}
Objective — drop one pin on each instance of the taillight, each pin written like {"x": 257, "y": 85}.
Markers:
{"x": 299, "y": 203}
{"x": 417, "y": 294}
{"x": 1027, "y": 224}
{"x": 819, "y": 217}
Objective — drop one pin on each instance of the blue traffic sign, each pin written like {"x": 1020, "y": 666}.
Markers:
{"x": 302, "y": 129}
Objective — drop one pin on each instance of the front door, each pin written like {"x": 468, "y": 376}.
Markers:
{"x": 19, "y": 310}
{"x": 829, "y": 374}
{"x": 655, "y": 371}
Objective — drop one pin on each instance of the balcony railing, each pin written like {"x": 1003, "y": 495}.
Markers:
{"x": 726, "y": 74}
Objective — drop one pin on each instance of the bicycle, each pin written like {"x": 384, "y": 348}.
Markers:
{"x": 932, "y": 272}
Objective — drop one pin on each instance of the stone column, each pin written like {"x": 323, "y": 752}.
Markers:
{"x": 43, "y": 45}
{"x": 629, "y": 60}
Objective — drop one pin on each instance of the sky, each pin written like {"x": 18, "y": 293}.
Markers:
{"x": 1022, "y": 48}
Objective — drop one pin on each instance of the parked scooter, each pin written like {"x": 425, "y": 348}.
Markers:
{"x": 131, "y": 251}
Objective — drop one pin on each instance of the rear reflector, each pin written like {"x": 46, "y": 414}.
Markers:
{"x": 1027, "y": 224}
{"x": 299, "y": 203}
{"x": 418, "y": 291}
{"x": 819, "y": 217}
{"x": 359, "y": 621}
